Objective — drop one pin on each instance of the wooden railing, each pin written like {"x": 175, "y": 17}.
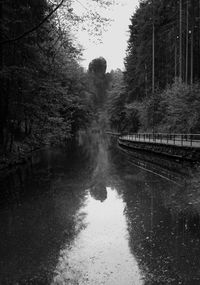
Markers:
{"x": 165, "y": 138}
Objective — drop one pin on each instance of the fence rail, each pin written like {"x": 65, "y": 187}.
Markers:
{"x": 191, "y": 140}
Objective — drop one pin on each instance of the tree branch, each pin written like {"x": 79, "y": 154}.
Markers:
{"x": 34, "y": 28}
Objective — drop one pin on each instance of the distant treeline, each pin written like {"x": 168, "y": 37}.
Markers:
{"x": 160, "y": 87}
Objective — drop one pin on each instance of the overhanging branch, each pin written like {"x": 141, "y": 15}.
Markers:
{"x": 35, "y": 27}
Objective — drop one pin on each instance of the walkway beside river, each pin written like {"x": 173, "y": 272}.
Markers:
{"x": 188, "y": 140}
{"x": 183, "y": 146}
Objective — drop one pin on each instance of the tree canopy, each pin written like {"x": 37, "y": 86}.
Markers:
{"x": 45, "y": 93}
{"x": 162, "y": 62}
{"x": 164, "y": 17}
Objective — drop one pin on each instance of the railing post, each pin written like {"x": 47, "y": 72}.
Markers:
{"x": 182, "y": 140}
{"x": 191, "y": 139}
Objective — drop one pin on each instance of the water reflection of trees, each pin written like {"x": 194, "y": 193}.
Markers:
{"x": 40, "y": 217}
{"x": 100, "y": 174}
{"x": 163, "y": 223}
{"x": 39, "y": 206}
{"x": 163, "y": 217}
{"x": 96, "y": 146}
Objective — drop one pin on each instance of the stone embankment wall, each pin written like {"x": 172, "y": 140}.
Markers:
{"x": 179, "y": 152}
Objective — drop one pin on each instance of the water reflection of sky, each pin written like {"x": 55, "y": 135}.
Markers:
{"x": 92, "y": 215}
{"x": 100, "y": 254}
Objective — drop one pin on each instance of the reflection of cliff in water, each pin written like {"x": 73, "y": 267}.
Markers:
{"x": 99, "y": 177}
{"x": 96, "y": 145}
{"x": 98, "y": 190}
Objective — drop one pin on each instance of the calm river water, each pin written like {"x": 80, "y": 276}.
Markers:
{"x": 93, "y": 215}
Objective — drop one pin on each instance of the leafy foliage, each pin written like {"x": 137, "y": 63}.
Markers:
{"x": 181, "y": 105}
{"x": 172, "y": 106}
{"x": 44, "y": 94}
{"x": 164, "y": 16}
{"x": 121, "y": 117}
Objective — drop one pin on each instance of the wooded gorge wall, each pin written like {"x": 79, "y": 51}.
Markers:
{"x": 162, "y": 78}
{"x": 175, "y": 28}
{"x": 44, "y": 91}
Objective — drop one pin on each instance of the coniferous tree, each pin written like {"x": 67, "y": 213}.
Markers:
{"x": 166, "y": 33}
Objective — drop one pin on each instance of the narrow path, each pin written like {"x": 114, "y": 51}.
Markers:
{"x": 177, "y": 141}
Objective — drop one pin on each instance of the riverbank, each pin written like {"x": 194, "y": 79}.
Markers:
{"x": 23, "y": 151}
{"x": 21, "y": 154}
{"x": 174, "y": 151}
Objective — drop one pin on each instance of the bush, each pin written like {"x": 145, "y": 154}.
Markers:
{"x": 180, "y": 104}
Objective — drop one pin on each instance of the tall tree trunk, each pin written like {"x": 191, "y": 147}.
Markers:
{"x": 192, "y": 56}
{"x": 187, "y": 42}
{"x": 153, "y": 58}
{"x": 180, "y": 40}
{"x": 175, "y": 57}
{"x": 146, "y": 79}
{"x": 1, "y": 67}
{"x": 198, "y": 57}
{"x": 1, "y": 33}
{"x": 192, "y": 43}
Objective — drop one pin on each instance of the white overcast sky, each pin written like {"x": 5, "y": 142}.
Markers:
{"x": 114, "y": 40}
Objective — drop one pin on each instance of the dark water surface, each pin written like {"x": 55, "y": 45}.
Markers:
{"x": 95, "y": 215}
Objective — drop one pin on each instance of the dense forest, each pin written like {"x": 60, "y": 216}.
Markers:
{"x": 46, "y": 96}
{"x": 159, "y": 89}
